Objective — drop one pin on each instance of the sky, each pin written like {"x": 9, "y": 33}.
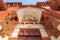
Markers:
{"x": 25, "y": 1}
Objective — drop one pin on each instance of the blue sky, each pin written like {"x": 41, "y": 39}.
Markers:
{"x": 26, "y": 1}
